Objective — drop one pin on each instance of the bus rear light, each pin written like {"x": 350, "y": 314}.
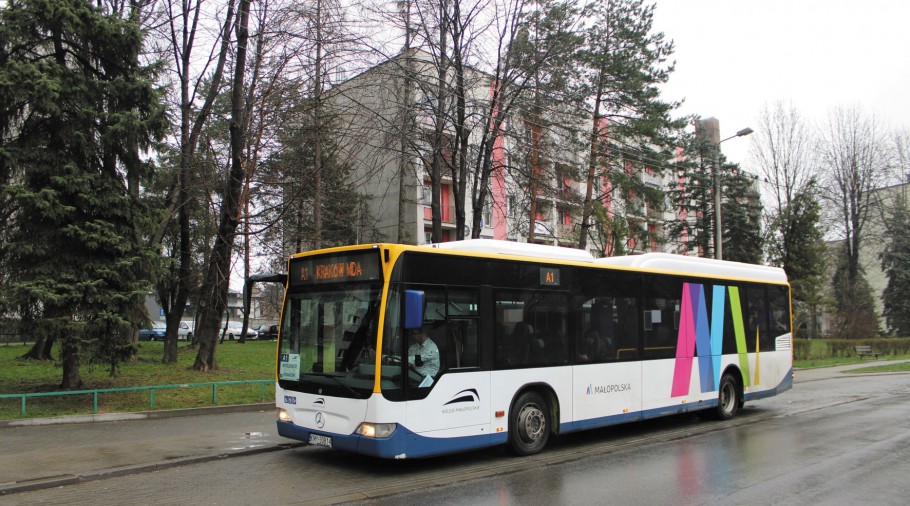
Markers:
{"x": 500, "y": 414}
{"x": 283, "y": 415}
{"x": 376, "y": 430}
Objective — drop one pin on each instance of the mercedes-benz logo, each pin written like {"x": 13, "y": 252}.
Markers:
{"x": 320, "y": 420}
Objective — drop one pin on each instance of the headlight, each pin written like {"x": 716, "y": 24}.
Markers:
{"x": 376, "y": 430}
{"x": 283, "y": 415}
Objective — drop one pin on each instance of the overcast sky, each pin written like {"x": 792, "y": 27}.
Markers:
{"x": 733, "y": 57}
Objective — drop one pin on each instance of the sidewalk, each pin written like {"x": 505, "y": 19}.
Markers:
{"x": 820, "y": 373}
{"x": 44, "y": 453}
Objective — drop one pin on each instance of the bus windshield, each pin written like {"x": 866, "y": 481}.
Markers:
{"x": 328, "y": 340}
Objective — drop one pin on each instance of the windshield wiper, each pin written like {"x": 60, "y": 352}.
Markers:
{"x": 349, "y": 389}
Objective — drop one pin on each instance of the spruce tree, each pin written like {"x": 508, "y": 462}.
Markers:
{"x": 76, "y": 111}
{"x": 741, "y": 217}
{"x": 621, "y": 66}
{"x": 692, "y": 197}
{"x": 854, "y": 309}
{"x": 796, "y": 243}
{"x": 896, "y": 264}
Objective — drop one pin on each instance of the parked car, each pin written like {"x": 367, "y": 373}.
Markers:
{"x": 155, "y": 333}
{"x": 234, "y": 329}
{"x": 185, "y": 331}
{"x": 268, "y": 331}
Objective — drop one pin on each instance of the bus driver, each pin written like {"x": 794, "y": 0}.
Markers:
{"x": 423, "y": 353}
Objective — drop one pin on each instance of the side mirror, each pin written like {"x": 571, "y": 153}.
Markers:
{"x": 259, "y": 278}
{"x": 413, "y": 309}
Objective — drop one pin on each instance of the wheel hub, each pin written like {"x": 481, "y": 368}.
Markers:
{"x": 533, "y": 423}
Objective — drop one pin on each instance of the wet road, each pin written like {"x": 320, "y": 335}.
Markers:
{"x": 835, "y": 442}
{"x": 834, "y": 439}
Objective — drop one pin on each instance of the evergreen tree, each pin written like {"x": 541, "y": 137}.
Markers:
{"x": 288, "y": 196}
{"x": 621, "y": 66}
{"x": 544, "y": 47}
{"x": 76, "y": 110}
{"x": 896, "y": 264}
{"x": 742, "y": 212}
{"x": 855, "y": 316}
{"x": 692, "y": 197}
{"x": 796, "y": 243}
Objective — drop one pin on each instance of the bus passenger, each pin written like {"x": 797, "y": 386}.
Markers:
{"x": 593, "y": 348}
{"x": 423, "y": 353}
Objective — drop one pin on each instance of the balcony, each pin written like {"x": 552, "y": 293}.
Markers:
{"x": 447, "y": 212}
{"x": 651, "y": 179}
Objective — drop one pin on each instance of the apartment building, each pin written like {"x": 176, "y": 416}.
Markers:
{"x": 535, "y": 193}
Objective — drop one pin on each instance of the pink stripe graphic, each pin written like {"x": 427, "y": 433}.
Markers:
{"x": 685, "y": 346}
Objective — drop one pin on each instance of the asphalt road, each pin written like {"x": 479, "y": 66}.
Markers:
{"x": 834, "y": 439}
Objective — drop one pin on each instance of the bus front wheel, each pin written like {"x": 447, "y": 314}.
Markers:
{"x": 727, "y": 398}
{"x": 530, "y": 424}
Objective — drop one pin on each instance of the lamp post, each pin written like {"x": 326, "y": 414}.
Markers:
{"x": 718, "y": 233}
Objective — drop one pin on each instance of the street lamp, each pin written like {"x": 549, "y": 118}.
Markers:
{"x": 718, "y": 233}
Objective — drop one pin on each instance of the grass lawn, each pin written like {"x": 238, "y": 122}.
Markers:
{"x": 901, "y": 367}
{"x": 251, "y": 361}
{"x": 826, "y": 362}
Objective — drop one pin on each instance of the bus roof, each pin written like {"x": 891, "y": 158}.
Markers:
{"x": 697, "y": 265}
{"x": 519, "y": 249}
{"x": 649, "y": 261}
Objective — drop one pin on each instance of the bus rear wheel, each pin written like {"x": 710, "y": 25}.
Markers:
{"x": 727, "y": 398}
{"x": 529, "y": 429}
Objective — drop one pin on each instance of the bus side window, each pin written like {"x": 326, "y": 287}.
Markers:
{"x": 779, "y": 300}
{"x": 509, "y": 313}
{"x": 756, "y": 319}
{"x": 462, "y": 344}
{"x": 463, "y": 320}
{"x": 659, "y": 317}
{"x": 626, "y": 325}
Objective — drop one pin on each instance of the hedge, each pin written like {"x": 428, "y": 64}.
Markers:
{"x": 819, "y": 349}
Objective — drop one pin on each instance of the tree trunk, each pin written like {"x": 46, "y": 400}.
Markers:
{"x": 587, "y": 208}
{"x": 246, "y": 256}
{"x": 218, "y": 277}
{"x": 72, "y": 380}
{"x": 41, "y": 350}
{"x": 535, "y": 174}
{"x": 405, "y": 171}
{"x": 317, "y": 131}
{"x": 190, "y": 131}
{"x": 439, "y": 126}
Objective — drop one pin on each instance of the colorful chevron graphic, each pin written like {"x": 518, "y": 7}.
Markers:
{"x": 703, "y": 338}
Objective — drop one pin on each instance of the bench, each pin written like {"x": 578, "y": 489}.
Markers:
{"x": 866, "y": 351}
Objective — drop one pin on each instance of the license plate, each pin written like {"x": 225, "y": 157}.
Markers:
{"x": 316, "y": 439}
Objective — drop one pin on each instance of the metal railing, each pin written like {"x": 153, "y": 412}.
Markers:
{"x": 151, "y": 389}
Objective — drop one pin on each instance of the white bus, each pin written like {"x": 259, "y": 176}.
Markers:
{"x": 521, "y": 342}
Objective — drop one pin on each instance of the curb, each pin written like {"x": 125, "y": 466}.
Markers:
{"x": 137, "y": 415}
{"x": 70, "y": 479}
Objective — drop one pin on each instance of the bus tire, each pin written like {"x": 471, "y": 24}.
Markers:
{"x": 727, "y": 398}
{"x": 529, "y": 427}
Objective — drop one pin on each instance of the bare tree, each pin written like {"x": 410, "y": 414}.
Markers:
{"x": 517, "y": 67}
{"x": 855, "y": 155}
{"x": 784, "y": 148}
{"x": 180, "y": 36}
{"x": 217, "y": 280}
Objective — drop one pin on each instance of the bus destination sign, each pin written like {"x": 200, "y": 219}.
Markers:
{"x": 343, "y": 268}
{"x": 549, "y": 276}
